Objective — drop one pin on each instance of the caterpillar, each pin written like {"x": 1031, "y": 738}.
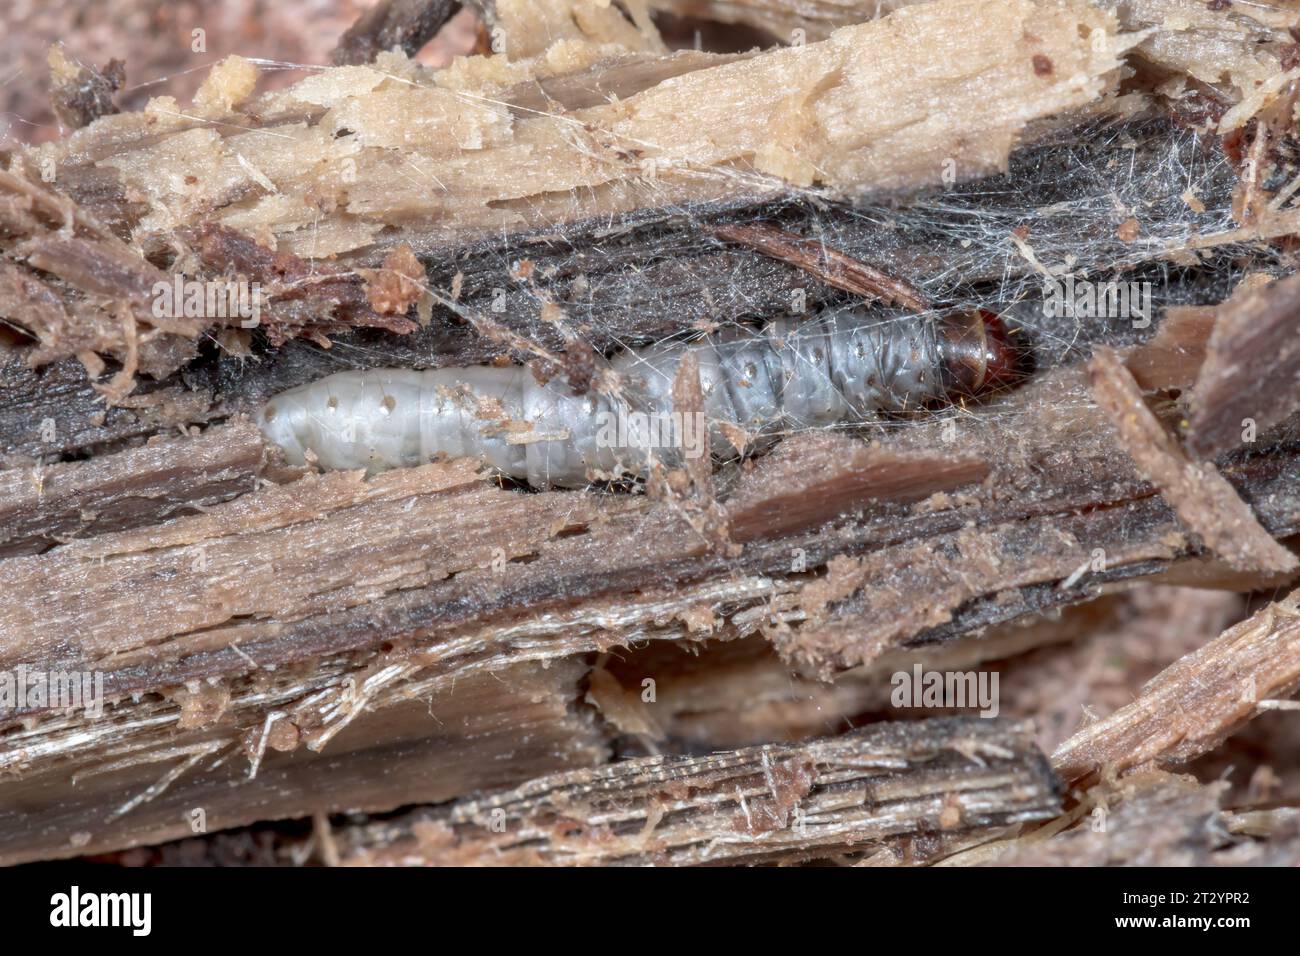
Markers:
{"x": 837, "y": 367}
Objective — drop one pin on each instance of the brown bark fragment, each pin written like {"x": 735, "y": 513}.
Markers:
{"x": 303, "y": 300}
{"x": 44, "y": 315}
{"x": 397, "y": 285}
{"x": 825, "y": 263}
{"x": 1150, "y": 819}
{"x": 1200, "y": 495}
{"x": 1174, "y": 356}
{"x": 689, "y": 488}
{"x": 762, "y": 804}
{"x": 1251, "y": 373}
{"x": 866, "y": 606}
{"x": 105, "y": 290}
{"x": 1194, "y": 704}
{"x": 131, "y": 787}
{"x": 811, "y": 474}
{"x": 42, "y": 506}
{"x": 405, "y": 24}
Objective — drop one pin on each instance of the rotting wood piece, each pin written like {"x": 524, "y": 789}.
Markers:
{"x": 628, "y": 279}
{"x": 1236, "y": 45}
{"x": 162, "y": 604}
{"x": 1251, "y": 374}
{"x": 1021, "y": 541}
{"x": 45, "y": 505}
{"x": 775, "y": 803}
{"x": 1191, "y": 706}
{"x": 225, "y": 756}
{"x": 1149, "y": 819}
{"x": 1203, "y": 499}
{"x": 311, "y": 170}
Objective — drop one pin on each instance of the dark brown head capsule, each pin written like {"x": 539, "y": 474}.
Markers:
{"x": 976, "y": 352}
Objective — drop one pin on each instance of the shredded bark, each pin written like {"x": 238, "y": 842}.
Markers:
{"x": 1151, "y": 819}
{"x": 1204, "y": 500}
{"x": 131, "y": 786}
{"x": 857, "y": 515}
{"x": 1173, "y": 357}
{"x": 1193, "y": 705}
{"x": 809, "y": 475}
{"x": 46, "y": 505}
{"x": 763, "y": 804}
{"x": 252, "y": 171}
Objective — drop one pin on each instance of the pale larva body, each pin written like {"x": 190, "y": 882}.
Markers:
{"x": 838, "y": 367}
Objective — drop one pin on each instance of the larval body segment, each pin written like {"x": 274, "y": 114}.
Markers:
{"x": 833, "y": 369}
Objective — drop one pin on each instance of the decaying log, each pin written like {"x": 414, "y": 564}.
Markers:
{"x": 232, "y": 583}
{"x": 852, "y": 793}
{"x": 278, "y": 644}
{"x": 446, "y": 551}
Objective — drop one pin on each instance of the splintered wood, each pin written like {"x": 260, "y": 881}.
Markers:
{"x": 434, "y": 666}
{"x": 1149, "y": 819}
{"x": 1250, "y": 378}
{"x": 787, "y": 115}
{"x": 1232, "y": 48}
{"x": 323, "y": 168}
{"x": 274, "y": 572}
{"x": 1190, "y": 707}
{"x": 1203, "y": 498}
{"x": 243, "y": 760}
{"x": 44, "y": 505}
{"x": 868, "y": 789}
{"x": 225, "y": 582}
